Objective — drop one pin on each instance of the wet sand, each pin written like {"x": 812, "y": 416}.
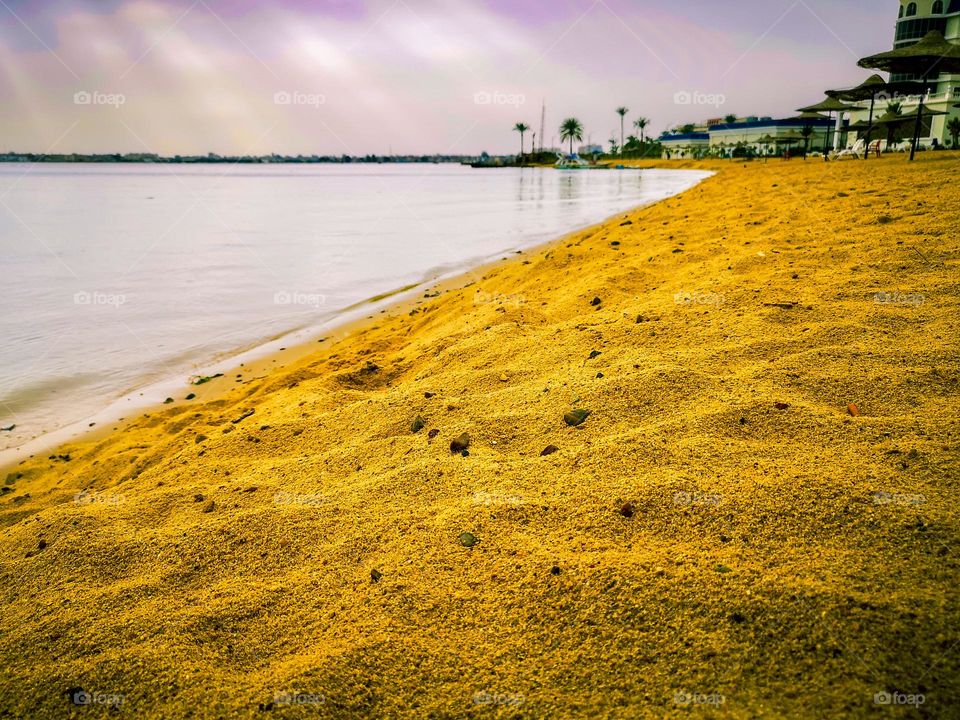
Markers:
{"x": 758, "y": 516}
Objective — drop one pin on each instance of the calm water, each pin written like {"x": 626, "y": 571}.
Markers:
{"x": 115, "y": 277}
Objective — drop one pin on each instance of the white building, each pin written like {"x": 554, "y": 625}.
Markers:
{"x": 916, "y": 19}
{"x": 724, "y": 138}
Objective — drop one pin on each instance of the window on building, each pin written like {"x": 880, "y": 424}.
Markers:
{"x": 916, "y": 28}
{"x": 911, "y": 9}
{"x": 937, "y": 8}
{"x": 901, "y": 11}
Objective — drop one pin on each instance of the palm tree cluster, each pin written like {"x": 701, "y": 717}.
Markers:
{"x": 571, "y": 129}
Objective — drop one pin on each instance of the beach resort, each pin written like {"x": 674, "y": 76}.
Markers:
{"x": 664, "y": 431}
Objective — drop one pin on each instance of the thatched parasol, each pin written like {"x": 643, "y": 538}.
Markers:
{"x": 829, "y": 106}
{"x": 891, "y": 120}
{"x": 872, "y": 88}
{"x": 928, "y": 58}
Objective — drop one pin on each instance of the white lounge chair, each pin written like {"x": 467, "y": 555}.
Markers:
{"x": 858, "y": 149}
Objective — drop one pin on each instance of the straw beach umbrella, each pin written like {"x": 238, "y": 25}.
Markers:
{"x": 928, "y": 58}
{"x": 767, "y": 140}
{"x": 892, "y": 120}
{"x": 829, "y": 106}
{"x": 871, "y": 88}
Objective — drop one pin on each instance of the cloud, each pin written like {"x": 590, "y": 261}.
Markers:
{"x": 205, "y": 76}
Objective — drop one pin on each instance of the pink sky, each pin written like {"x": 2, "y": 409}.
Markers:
{"x": 411, "y": 76}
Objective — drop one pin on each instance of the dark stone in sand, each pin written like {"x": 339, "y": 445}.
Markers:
{"x": 198, "y": 498}
{"x": 201, "y": 438}
{"x": 596, "y": 301}
{"x": 375, "y": 575}
{"x": 418, "y": 424}
{"x": 615, "y": 243}
{"x": 41, "y": 545}
{"x": 627, "y": 510}
{"x": 191, "y": 396}
{"x": 8, "y": 428}
{"x": 429, "y": 395}
{"x": 576, "y": 417}
{"x": 555, "y": 570}
{"x": 433, "y": 433}
{"x": 549, "y": 450}
{"x": 781, "y": 406}
{"x": 595, "y": 353}
{"x": 209, "y": 507}
{"x": 468, "y": 539}
{"x": 244, "y": 415}
{"x": 743, "y": 421}
{"x": 460, "y": 444}
{"x": 626, "y": 222}
{"x": 737, "y": 618}
{"x": 599, "y": 376}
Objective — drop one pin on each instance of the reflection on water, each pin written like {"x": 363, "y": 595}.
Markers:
{"x": 113, "y": 276}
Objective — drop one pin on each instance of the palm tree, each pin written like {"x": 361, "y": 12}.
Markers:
{"x": 953, "y": 127}
{"x": 806, "y": 131}
{"x": 729, "y": 119}
{"x": 622, "y": 111}
{"x": 521, "y": 128}
{"x": 894, "y": 133}
{"x": 641, "y": 124}
{"x": 571, "y": 129}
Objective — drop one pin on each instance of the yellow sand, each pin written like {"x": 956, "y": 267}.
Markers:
{"x": 757, "y": 565}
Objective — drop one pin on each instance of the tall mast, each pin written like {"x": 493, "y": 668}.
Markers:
{"x": 543, "y": 117}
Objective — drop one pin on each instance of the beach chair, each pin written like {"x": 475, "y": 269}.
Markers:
{"x": 856, "y": 150}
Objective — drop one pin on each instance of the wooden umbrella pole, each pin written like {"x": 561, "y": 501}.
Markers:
{"x": 866, "y": 152}
{"x": 916, "y": 127}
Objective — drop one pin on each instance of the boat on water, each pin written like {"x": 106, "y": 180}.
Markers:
{"x": 575, "y": 162}
{"x": 571, "y": 162}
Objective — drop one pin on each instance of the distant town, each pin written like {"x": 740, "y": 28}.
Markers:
{"x": 228, "y": 159}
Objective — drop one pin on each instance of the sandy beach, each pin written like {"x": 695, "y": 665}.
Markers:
{"x": 756, "y": 518}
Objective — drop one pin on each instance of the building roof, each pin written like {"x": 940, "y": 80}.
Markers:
{"x": 685, "y": 136}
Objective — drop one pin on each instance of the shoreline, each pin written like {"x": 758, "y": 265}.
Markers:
{"x": 273, "y": 353}
{"x": 764, "y": 486}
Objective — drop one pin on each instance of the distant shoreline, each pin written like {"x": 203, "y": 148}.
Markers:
{"x": 214, "y": 159}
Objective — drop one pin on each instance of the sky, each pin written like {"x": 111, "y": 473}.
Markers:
{"x": 251, "y": 77}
